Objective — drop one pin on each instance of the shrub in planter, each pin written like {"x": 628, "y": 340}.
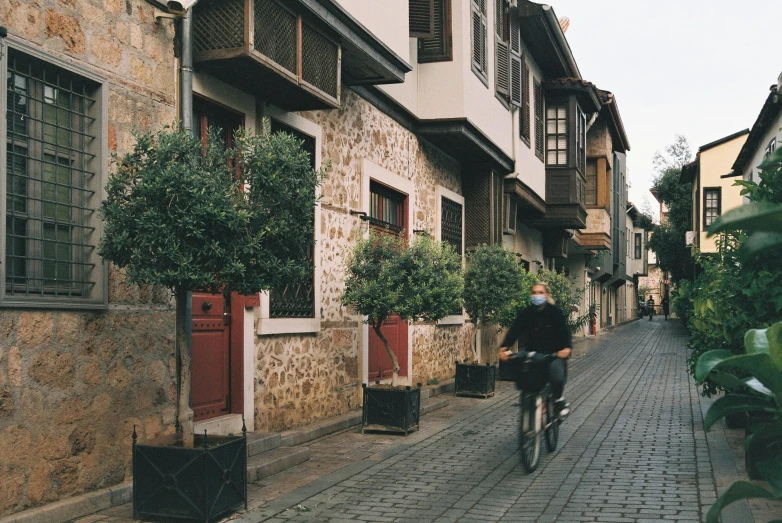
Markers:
{"x": 419, "y": 281}
{"x": 494, "y": 286}
{"x": 189, "y": 216}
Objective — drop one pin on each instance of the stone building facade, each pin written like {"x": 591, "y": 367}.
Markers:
{"x": 75, "y": 379}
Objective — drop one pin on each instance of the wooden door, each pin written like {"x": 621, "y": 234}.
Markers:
{"x": 216, "y": 368}
{"x": 210, "y": 394}
{"x": 388, "y": 215}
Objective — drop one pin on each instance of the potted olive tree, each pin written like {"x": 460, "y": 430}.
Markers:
{"x": 422, "y": 281}
{"x": 190, "y": 216}
{"x": 494, "y": 284}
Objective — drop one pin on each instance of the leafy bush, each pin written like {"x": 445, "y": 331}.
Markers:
{"x": 568, "y": 298}
{"x": 419, "y": 281}
{"x": 683, "y": 296}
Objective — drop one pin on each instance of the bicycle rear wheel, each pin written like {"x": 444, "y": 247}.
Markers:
{"x": 552, "y": 425}
{"x": 529, "y": 433}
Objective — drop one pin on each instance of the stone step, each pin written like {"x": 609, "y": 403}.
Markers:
{"x": 430, "y": 391}
{"x": 433, "y": 404}
{"x": 275, "y": 461}
{"x": 258, "y": 442}
{"x": 307, "y": 433}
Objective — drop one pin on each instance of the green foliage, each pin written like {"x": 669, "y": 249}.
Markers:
{"x": 568, "y": 298}
{"x": 644, "y": 221}
{"x": 682, "y": 301}
{"x": 762, "y": 368}
{"x": 190, "y": 217}
{"x": 769, "y": 188}
{"x": 667, "y": 239}
{"x": 419, "y": 281}
{"x": 495, "y": 285}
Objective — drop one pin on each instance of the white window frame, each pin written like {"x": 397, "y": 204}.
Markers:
{"x": 267, "y": 325}
{"x": 442, "y": 192}
{"x": 99, "y": 295}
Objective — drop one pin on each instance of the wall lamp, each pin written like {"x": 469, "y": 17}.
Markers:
{"x": 422, "y": 232}
{"x": 361, "y": 214}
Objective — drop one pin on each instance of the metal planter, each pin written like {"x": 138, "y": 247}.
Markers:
{"x": 201, "y": 482}
{"x": 391, "y": 409}
{"x": 475, "y": 380}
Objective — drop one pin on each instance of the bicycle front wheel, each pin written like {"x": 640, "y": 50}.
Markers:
{"x": 529, "y": 432}
{"x": 552, "y": 425}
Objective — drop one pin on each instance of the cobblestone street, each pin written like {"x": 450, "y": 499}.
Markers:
{"x": 632, "y": 450}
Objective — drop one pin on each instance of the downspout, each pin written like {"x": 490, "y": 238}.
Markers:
{"x": 561, "y": 40}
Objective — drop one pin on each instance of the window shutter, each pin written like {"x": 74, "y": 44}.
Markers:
{"x": 502, "y": 55}
{"x": 539, "y": 137}
{"x": 422, "y": 18}
{"x": 516, "y": 76}
{"x": 479, "y": 35}
{"x": 438, "y": 48}
{"x": 525, "y": 105}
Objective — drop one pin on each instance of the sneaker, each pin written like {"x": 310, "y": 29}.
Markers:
{"x": 562, "y": 407}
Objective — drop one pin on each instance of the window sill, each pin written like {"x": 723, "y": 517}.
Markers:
{"x": 269, "y": 326}
{"x": 456, "y": 319}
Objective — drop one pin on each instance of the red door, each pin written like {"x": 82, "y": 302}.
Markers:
{"x": 210, "y": 394}
{"x": 388, "y": 215}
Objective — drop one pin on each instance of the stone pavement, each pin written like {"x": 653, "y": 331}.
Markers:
{"x": 632, "y": 450}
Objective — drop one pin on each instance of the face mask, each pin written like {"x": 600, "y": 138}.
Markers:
{"x": 538, "y": 300}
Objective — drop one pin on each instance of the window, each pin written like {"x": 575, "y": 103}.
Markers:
{"x": 54, "y": 177}
{"x": 711, "y": 205}
{"x": 591, "y": 182}
{"x": 479, "y": 34}
{"x": 451, "y": 223}
{"x": 421, "y": 18}
{"x": 524, "y": 113}
{"x": 556, "y": 134}
{"x": 297, "y": 299}
{"x": 502, "y": 79}
{"x": 386, "y": 208}
{"x": 637, "y": 246}
{"x": 770, "y": 148}
{"x": 439, "y": 47}
{"x": 539, "y": 133}
{"x": 580, "y": 138}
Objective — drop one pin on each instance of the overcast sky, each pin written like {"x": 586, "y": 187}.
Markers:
{"x": 692, "y": 67}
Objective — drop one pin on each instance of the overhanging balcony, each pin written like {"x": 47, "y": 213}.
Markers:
{"x": 295, "y": 54}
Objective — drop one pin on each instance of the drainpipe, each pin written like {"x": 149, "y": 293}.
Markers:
{"x": 186, "y": 72}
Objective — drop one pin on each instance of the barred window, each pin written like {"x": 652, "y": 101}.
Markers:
{"x": 451, "y": 223}
{"x": 297, "y": 298}
{"x": 386, "y": 208}
{"x": 53, "y": 179}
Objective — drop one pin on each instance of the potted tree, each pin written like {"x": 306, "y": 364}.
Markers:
{"x": 422, "y": 281}
{"x": 191, "y": 216}
{"x": 494, "y": 284}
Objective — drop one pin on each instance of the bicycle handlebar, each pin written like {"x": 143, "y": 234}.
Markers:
{"x": 533, "y": 356}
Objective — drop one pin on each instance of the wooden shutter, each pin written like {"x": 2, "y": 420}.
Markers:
{"x": 539, "y": 136}
{"x": 421, "y": 18}
{"x": 479, "y": 34}
{"x": 502, "y": 54}
{"x": 439, "y": 48}
{"x": 524, "y": 113}
{"x": 516, "y": 76}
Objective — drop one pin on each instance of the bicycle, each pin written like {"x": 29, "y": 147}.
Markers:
{"x": 538, "y": 412}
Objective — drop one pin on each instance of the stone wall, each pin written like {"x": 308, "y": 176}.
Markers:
{"x": 73, "y": 383}
{"x": 303, "y": 378}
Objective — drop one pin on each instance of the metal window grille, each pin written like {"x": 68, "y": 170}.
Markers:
{"x": 556, "y": 134}
{"x": 386, "y": 208}
{"x": 451, "y": 224}
{"x": 296, "y": 299}
{"x": 50, "y": 198}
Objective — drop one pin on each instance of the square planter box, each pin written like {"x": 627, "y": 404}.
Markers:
{"x": 391, "y": 409}
{"x": 201, "y": 482}
{"x": 475, "y": 380}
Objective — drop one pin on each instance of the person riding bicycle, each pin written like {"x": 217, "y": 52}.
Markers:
{"x": 541, "y": 327}
{"x": 650, "y": 307}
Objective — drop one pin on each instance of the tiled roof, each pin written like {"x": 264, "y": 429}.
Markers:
{"x": 575, "y": 82}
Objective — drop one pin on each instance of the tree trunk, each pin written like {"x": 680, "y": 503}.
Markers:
{"x": 395, "y": 376}
{"x": 184, "y": 412}
{"x": 476, "y": 340}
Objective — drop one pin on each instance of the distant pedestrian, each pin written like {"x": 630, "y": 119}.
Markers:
{"x": 650, "y": 306}
{"x": 666, "y": 307}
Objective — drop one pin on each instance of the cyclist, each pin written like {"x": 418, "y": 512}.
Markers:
{"x": 542, "y": 327}
{"x": 650, "y": 307}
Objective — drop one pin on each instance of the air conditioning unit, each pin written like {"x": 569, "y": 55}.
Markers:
{"x": 689, "y": 238}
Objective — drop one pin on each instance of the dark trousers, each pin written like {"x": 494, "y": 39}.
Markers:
{"x": 557, "y": 375}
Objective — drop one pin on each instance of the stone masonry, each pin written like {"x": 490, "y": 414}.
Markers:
{"x": 74, "y": 383}
{"x": 304, "y": 378}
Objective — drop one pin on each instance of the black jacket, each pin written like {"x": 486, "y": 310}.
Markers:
{"x": 539, "y": 330}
